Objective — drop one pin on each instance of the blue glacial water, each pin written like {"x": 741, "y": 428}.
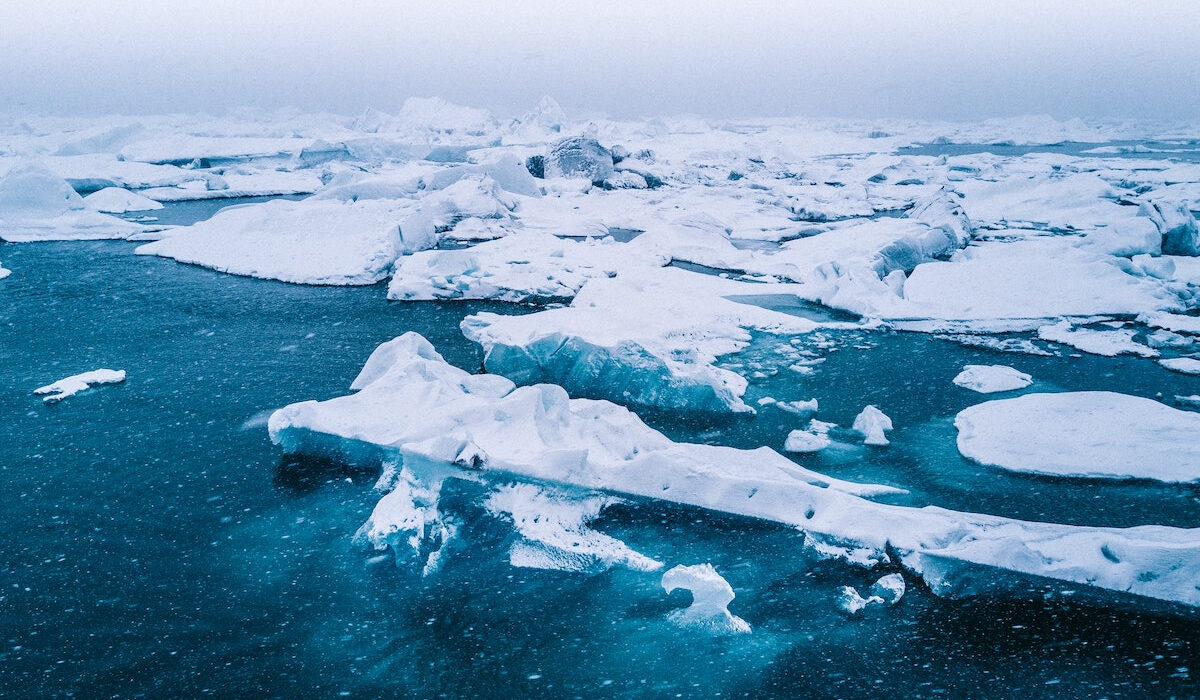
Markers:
{"x": 157, "y": 545}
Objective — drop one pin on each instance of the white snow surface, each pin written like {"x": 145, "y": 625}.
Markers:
{"x": 1183, "y": 365}
{"x": 69, "y": 386}
{"x": 438, "y": 420}
{"x": 989, "y": 379}
{"x": 1097, "y": 342}
{"x": 1094, "y": 434}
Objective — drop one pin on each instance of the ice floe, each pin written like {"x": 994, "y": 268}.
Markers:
{"x": 988, "y": 379}
{"x": 117, "y": 200}
{"x": 1109, "y": 343}
{"x": 36, "y": 204}
{"x": 435, "y": 421}
{"x": 1095, "y": 434}
{"x": 69, "y": 386}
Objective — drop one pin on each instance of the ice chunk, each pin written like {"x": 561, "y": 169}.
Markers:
{"x": 1175, "y": 222}
{"x": 407, "y": 519}
{"x": 1107, "y": 343}
{"x": 802, "y": 409}
{"x": 116, "y": 200}
{"x": 988, "y": 379}
{"x": 36, "y": 204}
{"x": 887, "y": 591}
{"x": 306, "y": 242}
{"x": 4, "y": 272}
{"x": 414, "y": 406}
{"x": 851, "y": 602}
{"x": 554, "y": 531}
{"x": 1044, "y": 278}
{"x": 711, "y": 596}
{"x": 76, "y": 383}
{"x": 806, "y": 441}
{"x": 872, "y": 423}
{"x": 889, "y": 588}
{"x": 1184, "y": 365}
{"x": 579, "y": 157}
{"x": 1173, "y": 322}
{"x": 1096, "y": 434}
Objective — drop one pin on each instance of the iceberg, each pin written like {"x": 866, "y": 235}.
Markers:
{"x": 989, "y": 379}
{"x": 711, "y": 596}
{"x": 579, "y": 157}
{"x": 1093, "y": 434}
{"x": 412, "y": 408}
{"x": 69, "y": 386}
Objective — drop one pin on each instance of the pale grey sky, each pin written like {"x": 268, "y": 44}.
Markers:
{"x": 916, "y": 59}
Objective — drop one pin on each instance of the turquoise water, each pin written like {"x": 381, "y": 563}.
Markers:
{"x": 157, "y": 544}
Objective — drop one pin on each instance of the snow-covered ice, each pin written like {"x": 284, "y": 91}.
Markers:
{"x": 117, "y": 200}
{"x": 438, "y": 421}
{"x": 989, "y": 379}
{"x": 1109, "y": 343}
{"x": 872, "y": 423}
{"x": 711, "y": 596}
{"x": 1094, "y": 434}
{"x": 1185, "y": 365}
{"x": 69, "y": 386}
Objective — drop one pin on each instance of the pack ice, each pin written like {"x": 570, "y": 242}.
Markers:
{"x": 1095, "y": 434}
{"x": 431, "y": 421}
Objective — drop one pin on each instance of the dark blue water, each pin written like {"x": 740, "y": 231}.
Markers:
{"x": 156, "y": 544}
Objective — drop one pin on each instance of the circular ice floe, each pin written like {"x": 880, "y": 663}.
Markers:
{"x": 988, "y": 379}
{"x": 1097, "y": 434}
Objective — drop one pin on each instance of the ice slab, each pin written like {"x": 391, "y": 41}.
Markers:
{"x": 1097, "y": 342}
{"x": 306, "y": 241}
{"x": 711, "y": 596}
{"x": 117, "y": 200}
{"x": 1184, "y": 365}
{"x": 431, "y": 416}
{"x": 988, "y": 379}
{"x": 1095, "y": 434}
{"x": 69, "y": 386}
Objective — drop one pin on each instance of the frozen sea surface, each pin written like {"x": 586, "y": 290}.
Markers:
{"x": 159, "y": 545}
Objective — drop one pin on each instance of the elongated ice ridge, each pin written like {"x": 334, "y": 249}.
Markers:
{"x": 412, "y": 405}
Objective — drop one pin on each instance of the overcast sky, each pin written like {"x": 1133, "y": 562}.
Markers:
{"x": 952, "y": 60}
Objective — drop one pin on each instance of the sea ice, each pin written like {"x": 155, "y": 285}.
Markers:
{"x": 1184, "y": 365}
{"x": 988, "y": 379}
{"x": 554, "y": 531}
{"x": 64, "y": 388}
{"x": 1106, "y": 343}
{"x": 36, "y": 205}
{"x": 806, "y": 441}
{"x": 307, "y": 241}
{"x": 429, "y": 415}
{"x": 117, "y": 200}
{"x": 1096, "y": 434}
{"x": 711, "y": 596}
{"x": 872, "y": 423}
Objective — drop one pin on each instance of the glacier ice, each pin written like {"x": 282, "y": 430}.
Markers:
{"x": 988, "y": 379}
{"x": 711, "y": 596}
{"x": 1096, "y": 434}
{"x": 69, "y": 386}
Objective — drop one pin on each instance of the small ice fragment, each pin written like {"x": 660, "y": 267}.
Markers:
{"x": 803, "y": 409}
{"x": 873, "y": 423}
{"x": 850, "y": 602}
{"x": 711, "y": 595}
{"x": 74, "y": 384}
{"x": 889, "y": 589}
